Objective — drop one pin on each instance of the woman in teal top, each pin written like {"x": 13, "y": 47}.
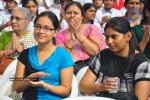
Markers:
{"x": 47, "y": 68}
{"x": 142, "y": 31}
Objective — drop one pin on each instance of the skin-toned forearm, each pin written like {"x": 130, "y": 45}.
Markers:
{"x": 20, "y": 86}
{"x": 143, "y": 43}
{"x": 63, "y": 91}
{"x": 88, "y": 45}
{"x": 142, "y": 90}
{"x": 3, "y": 26}
{"x": 92, "y": 88}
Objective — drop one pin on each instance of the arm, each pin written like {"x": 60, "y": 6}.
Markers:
{"x": 142, "y": 79}
{"x": 89, "y": 45}
{"x": 145, "y": 38}
{"x": 6, "y": 52}
{"x": 20, "y": 86}
{"x": 66, "y": 80}
{"x": 104, "y": 20}
{"x": 84, "y": 41}
{"x": 21, "y": 83}
{"x": 142, "y": 90}
{"x": 87, "y": 84}
{"x": 5, "y": 25}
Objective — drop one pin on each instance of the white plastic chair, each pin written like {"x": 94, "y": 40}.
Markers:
{"x": 2, "y": 97}
{"x": 74, "y": 88}
{"x": 79, "y": 76}
{"x": 81, "y": 73}
{"x": 5, "y": 83}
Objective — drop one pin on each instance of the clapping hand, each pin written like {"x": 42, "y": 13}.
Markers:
{"x": 105, "y": 19}
{"x": 30, "y": 79}
{"x": 76, "y": 25}
{"x": 16, "y": 45}
{"x": 146, "y": 29}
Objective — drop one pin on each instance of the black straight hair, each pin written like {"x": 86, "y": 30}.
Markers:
{"x": 74, "y": 3}
{"x": 88, "y": 6}
{"x": 122, "y": 26}
{"x": 51, "y": 16}
{"x": 24, "y": 2}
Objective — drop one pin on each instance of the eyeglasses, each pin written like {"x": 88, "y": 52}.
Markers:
{"x": 45, "y": 28}
{"x": 17, "y": 18}
{"x": 137, "y": 3}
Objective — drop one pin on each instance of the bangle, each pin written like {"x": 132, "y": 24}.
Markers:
{"x": 47, "y": 87}
{"x": 83, "y": 41}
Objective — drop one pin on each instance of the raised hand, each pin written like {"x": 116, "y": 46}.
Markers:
{"x": 146, "y": 29}
{"x": 104, "y": 20}
{"x": 32, "y": 77}
{"x": 16, "y": 44}
{"x": 13, "y": 42}
{"x": 8, "y": 23}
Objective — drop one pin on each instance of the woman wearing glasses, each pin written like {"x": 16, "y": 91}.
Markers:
{"x": 48, "y": 68}
{"x": 13, "y": 42}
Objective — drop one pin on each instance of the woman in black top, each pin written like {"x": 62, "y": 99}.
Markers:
{"x": 122, "y": 58}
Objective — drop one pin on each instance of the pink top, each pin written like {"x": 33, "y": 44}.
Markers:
{"x": 91, "y": 32}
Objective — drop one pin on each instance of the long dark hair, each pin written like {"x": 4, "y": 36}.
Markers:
{"x": 24, "y": 2}
{"x": 88, "y": 6}
{"x": 122, "y": 26}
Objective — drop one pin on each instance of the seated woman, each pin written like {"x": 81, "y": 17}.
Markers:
{"x": 90, "y": 13}
{"x": 32, "y": 6}
{"x": 13, "y": 42}
{"x": 122, "y": 60}
{"x": 134, "y": 18}
{"x": 142, "y": 31}
{"x": 81, "y": 40}
{"x": 47, "y": 69}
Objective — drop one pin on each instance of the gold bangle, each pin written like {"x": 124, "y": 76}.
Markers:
{"x": 83, "y": 41}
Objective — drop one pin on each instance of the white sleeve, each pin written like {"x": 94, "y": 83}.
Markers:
{"x": 49, "y": 2}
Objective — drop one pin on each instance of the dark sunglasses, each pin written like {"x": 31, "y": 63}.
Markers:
{"x": 15, "y": 17}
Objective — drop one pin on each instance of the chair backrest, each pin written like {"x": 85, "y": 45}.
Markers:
{"x": 81, "y": 73}
{"x": 79, "y": 76}
{"x": 74, "y": 88}
{"x": 8, "y": 73}
{"x": 2, "y": 97}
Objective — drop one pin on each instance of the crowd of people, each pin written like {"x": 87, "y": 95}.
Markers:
{"x": 54, "y": 39}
